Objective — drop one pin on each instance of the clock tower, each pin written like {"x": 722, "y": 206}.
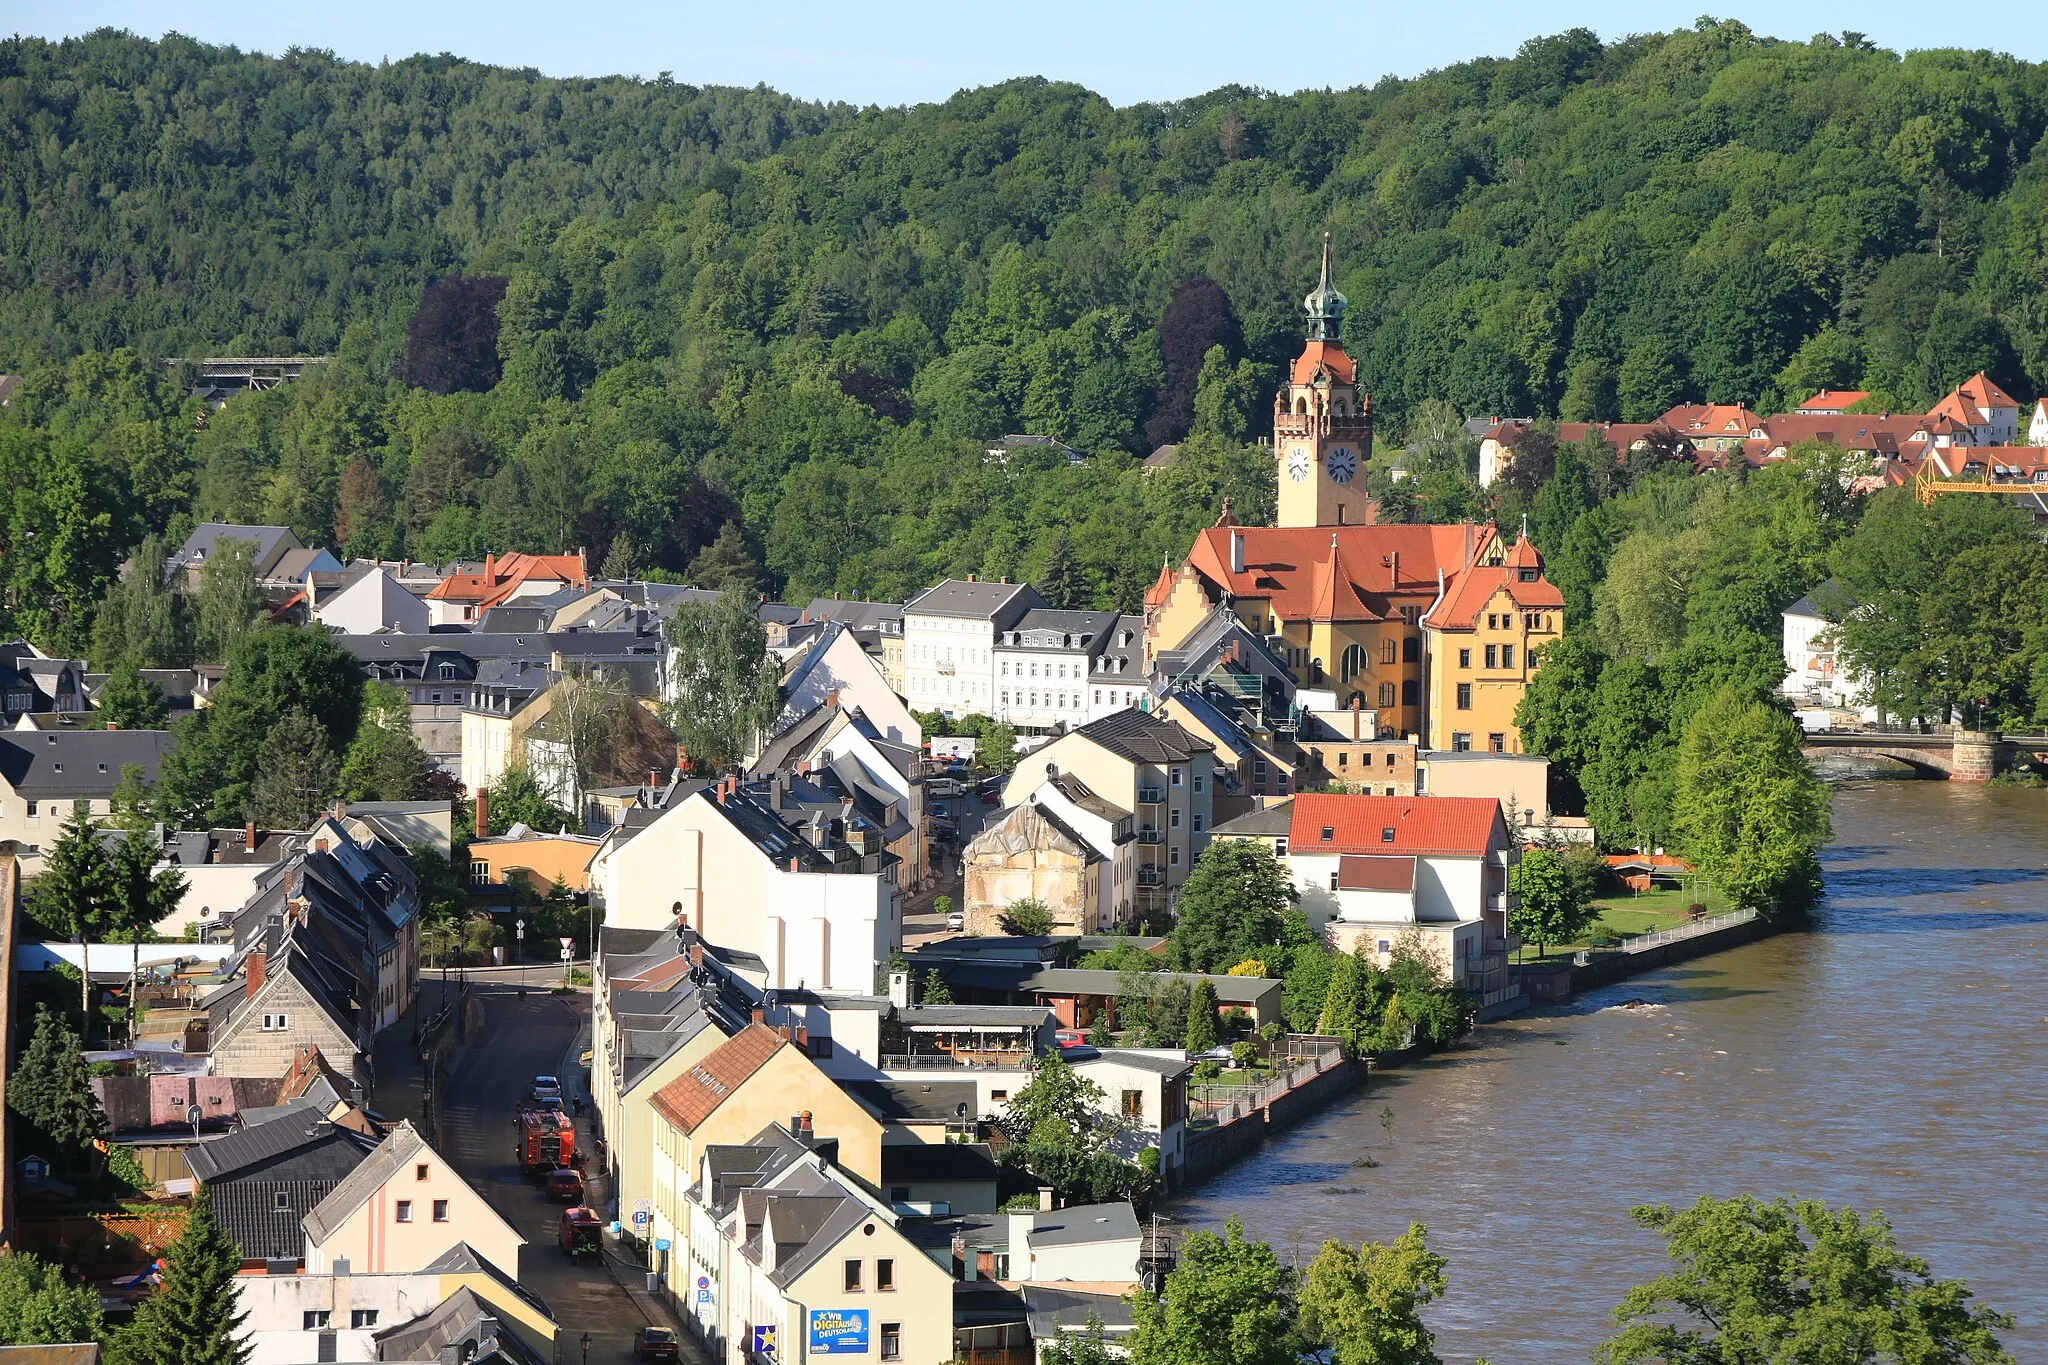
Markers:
{"x": 1322, "y": 424}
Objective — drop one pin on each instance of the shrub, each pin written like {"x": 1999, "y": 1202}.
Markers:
{"x": 1244, "y": 1054}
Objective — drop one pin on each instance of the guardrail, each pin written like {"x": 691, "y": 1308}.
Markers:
{"x": 1679, "y": 933}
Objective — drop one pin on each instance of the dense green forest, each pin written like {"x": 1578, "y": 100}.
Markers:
{"x": 633, "y": 315}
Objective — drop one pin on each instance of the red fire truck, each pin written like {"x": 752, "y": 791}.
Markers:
{"x": 547, "y": 1139}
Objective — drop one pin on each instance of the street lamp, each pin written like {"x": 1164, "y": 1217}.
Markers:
{"x": 586, "y": 1348}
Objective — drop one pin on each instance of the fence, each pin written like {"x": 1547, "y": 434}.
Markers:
{"x": 1308, "y": 1056}
{"x": 1642, "y": 943}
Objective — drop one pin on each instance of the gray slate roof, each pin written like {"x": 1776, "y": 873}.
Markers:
{"x": 76, "y": 764}
{"x": 388, "y": 1160}
{"x": 1084, "y": 1223}
{"x": 1050, "y": 1310}
{"x": 1001, "y": 603}
{"x": 1142, "y": 738}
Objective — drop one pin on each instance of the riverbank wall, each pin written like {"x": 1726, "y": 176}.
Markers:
{"x": 1559, "y": 980}
{"x": 1209, "y": 1150}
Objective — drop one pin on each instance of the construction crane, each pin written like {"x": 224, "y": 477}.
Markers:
{"x": 1927, "y": 487}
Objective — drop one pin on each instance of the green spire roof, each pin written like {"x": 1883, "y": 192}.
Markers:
{"x": 1325, "y": 307}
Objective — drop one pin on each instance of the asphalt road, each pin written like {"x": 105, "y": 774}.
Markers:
{"x": 487, "y": 1076}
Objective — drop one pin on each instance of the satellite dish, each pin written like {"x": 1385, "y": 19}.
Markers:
{"x": 194, "y": 1114}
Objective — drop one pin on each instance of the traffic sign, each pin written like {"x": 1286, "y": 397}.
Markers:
{"x": 661, "y": 1244}
{"x": 568, "y": 942}
{"x": 703, "y": 1281}
{"x": 567, "y": 955}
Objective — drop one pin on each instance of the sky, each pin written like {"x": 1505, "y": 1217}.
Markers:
{"x": 920, "y": 50}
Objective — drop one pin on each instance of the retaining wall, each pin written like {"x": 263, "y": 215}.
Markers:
{"x": 1209, "y": 1150}
{"x": 1620, "y": 966}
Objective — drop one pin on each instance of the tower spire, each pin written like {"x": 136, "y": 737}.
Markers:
{"x": 1325, "y": 307}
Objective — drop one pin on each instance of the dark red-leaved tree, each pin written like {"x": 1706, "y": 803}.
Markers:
{"x": 1197, "y": 317}
{"x": 451, "y": 344}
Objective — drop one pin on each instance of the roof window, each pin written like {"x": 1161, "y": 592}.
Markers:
{"x": 1387, "y": 835}
{"x": 1329, "y": 833}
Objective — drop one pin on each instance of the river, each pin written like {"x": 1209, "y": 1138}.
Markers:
{"x": 1890, "y": 1058}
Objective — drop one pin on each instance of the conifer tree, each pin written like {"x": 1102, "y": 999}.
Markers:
{"x": 1202, "y": 1006}
{"x": 1341, "y": 1002}
{"x": 192, "y": 1320}
{"x": 51, "y": 1090}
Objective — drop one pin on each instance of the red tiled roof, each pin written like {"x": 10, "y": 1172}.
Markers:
{"x": 1162, "y": 587}
{"x": 1285, "y": 565}
{"x": 1365, "y": 872}
{"x": 695, "y": 1095}
{"x": 1458, "y": 826}
{"x": 502, "y": 577}
{"x": 1320, "y": 354}
{"x": 1466, "y": 596}
{"x": 1833, "y": 400}
{"x": 1711, "y": 419}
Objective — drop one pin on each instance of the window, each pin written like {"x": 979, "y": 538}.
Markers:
{"x": 1173, "y": 818}
{"x": 1461, "y": 742}
{"x": 280, "y": 1202}
{"x": 998, "y": 1097}
{"x": 1389, "y": 652}
{"x": 419, "y": 1172}
{"x": 1329, "y": 833}
{"x": 1497, "y": 742}
{"x": 31, "y": 810}
{"x": 276, "y": 1023}
{"x": 1198, "y": 781}
{"x": 1333, "y": 881}
{"x": 885, "y": 1276}
{"x": 1493, "y": 656}
{"x": 1385, "y": 947}
{"x": 1343, "y": 758}
{"x": 1464, "y": 696}
{"x": 103, "y": 767}
{"x": 315, "y": 1319}
{"x": 1411, "y": 693}
{"x": 892, "y": 1341}
{"x": 1411, "y": 650}
{"x": 851, "y": 1277}
{"x": 1280, "y": 847}
{"x": 1390, "y": 758}
{"x": 1386, "y": 694}
{"x": 821, "y": 1046}
{"x": 1387, "y": 834}
{"x": 1176, "y": 777}
{"x": 440, "y": 1210}
{"x": 1173, "y": 857}
{"x": 1464, "y": 658}
{"x": 1134, "y": 1104}
{"x": 1353, "y": 662}
{"x": 360, "y": 1318}
{"x": 1198, "y": 822}
{"x": 405, "y": 1210}
{"x": 1507, "y": 656}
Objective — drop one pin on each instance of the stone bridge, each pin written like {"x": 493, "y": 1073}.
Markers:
{"x": 1958, "y": 756}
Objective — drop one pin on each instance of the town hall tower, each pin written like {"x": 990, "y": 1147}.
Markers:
{"x": 1322, "y": 424}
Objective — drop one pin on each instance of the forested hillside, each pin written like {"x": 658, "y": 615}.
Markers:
{"x": 665, "y": 311}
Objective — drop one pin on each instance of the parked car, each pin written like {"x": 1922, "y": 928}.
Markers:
{"x": 1069, "y": 1037}
{"x": 547, "y": 1088}
{"x": 944, "y": 829}
{"x": 655, "y": 1343}
{"x": 956, "y": 921}
{"x": 940, "y": 812}
{"x": 566, "y": 1185}
{"x": 1214, "y": 1054}
{"x": 943, "y": 788}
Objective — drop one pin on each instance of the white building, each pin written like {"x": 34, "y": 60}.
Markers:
{"x": 835, "y": 669}
{"x": 1376, "y": 869}
{"x": 1815, "y": 672}
{"x": 1059, "y": 669}
{"x": 374, "y": 603}
{"x": 817, "y": 907}
{"x": 2037, "y": 424}
{"x": 949, "y": 643}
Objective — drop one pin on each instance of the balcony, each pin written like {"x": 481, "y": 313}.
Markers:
{"x": 1150, "y": 796}
{"x": 1148, "y": 835}
{"x": 1502, "y": 901}
{"x": 1151, "y": 876}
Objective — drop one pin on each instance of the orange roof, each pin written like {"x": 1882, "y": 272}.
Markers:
{"x": 1834, "y": 400}
{"x": 503, "y": 577}
{"x": 1460, "y": 826}
{"x": 1162, "y": 587}
{"x": 1466, "y": 596}
{"x": 1324, "y": 354}
{"x": 1290, "y": 566}
{"x": 692, "y": 1097}
{"x": 1711, "y": 419}
{"x": 1524, "y": 555}
{"x": 1972, "y": 401}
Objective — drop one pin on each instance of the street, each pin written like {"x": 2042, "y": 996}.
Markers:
{"x": 542, "y": 1034}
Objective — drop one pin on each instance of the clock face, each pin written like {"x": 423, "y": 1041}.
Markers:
{"x": 1297, "y": 463}
{"x": 1341, "y": 463}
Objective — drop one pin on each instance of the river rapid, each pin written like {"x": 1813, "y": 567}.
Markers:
{"x": 1891, "y": 1058}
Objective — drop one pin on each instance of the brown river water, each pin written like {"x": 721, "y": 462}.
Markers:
{"x": 1891, "y": 1057}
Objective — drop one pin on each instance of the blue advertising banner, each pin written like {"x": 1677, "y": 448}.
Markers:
{"x": 839, "y": 1331}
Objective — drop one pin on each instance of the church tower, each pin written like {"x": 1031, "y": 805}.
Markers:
{"x": 1322, "y": 424}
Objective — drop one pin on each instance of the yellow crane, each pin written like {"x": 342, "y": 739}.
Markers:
{"x": 1927, "y": 486}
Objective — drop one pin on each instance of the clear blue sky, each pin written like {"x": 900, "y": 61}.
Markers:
{"x": 926, "y": 49}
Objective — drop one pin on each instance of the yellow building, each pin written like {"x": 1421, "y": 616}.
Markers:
{"x": 1354, "y": 608}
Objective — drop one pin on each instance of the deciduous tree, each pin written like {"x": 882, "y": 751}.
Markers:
{"x": 725, "y": 683}
{"x": 1365, "y": 1306}
{"x": 1228, "y": 1301}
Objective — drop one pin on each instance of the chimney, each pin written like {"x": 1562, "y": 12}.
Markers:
{"x": 483, "y": 812}
{"x": 113, "y": 725}
{"x": 832, "y": 697}
{"x": 1045, "y": 1199}
{"x": 759, "y": 1015}
{"x": 682, "y": 759}
{"x": 653, "y": 778}
{"x": 899, "y": 990}
{"x": 252, "y": 976}
{"x": 1237, "y": 552}
{"x": 249, "y": 837}
{"x": 796, "y": 865}
{"x": 1355, "y": 699}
